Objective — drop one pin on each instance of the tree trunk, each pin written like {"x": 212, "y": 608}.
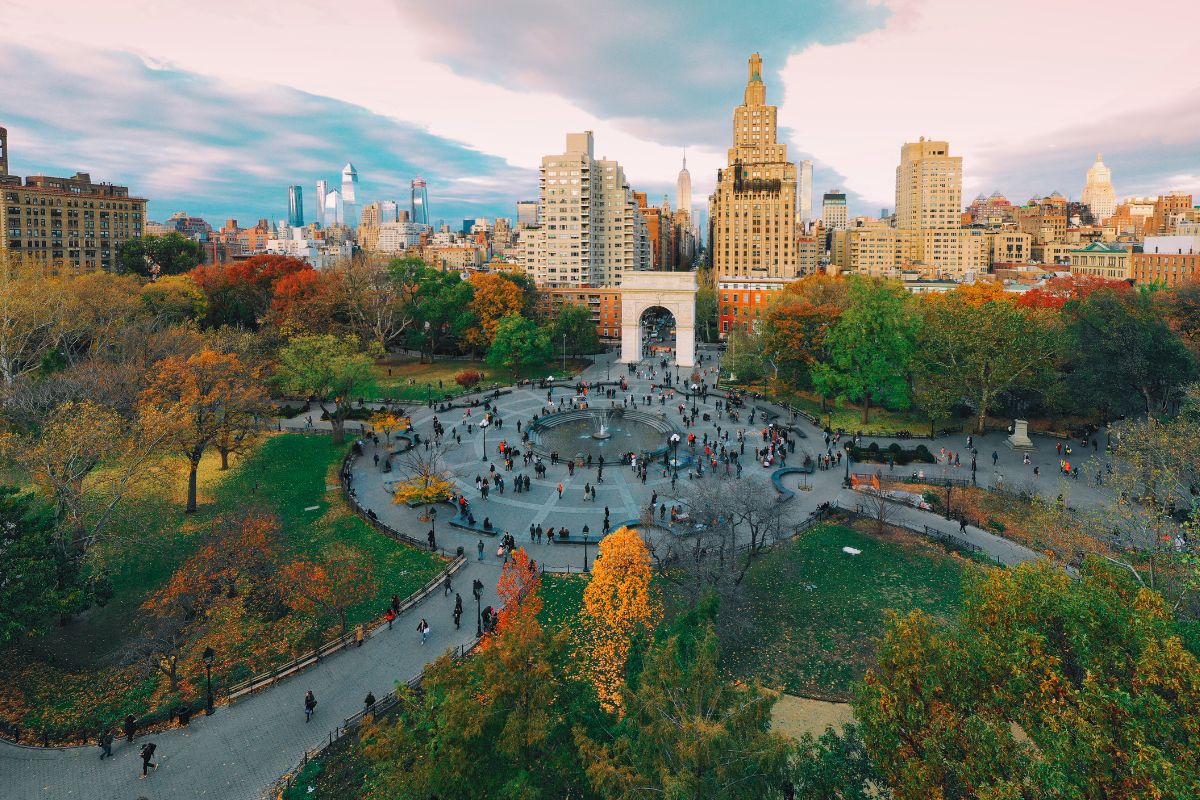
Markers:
{"x": 193, "y": 468}
{"x": 983, "y": 412}
{"x": 224, "y": 457}
{"x": 339, "y": 427}
{"x": 866, "y": 417}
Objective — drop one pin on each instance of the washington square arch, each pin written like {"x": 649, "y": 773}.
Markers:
{"x": 644, "y": 296}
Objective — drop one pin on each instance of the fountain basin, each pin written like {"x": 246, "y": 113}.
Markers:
{"x": 601, "y": 432}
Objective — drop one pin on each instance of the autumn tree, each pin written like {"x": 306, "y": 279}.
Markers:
{"x": 30, "y": 589}
{"x": 1058, "y": 291}
{"x": 517, "y": 589}
{"x": 332, "y": 369}
{"x": 793, "y": 339}
{"x": 870, "y": 347}
{"x": 327, "y": 589}
{"x": 980, "y": 348}
{"x": 498, "y": 724}
{"x": 31, "y": 307}
{"x": 519, "y": 343}
{"x": 239, "y": 293}
{"x": 493, "y": 298}
{"x": 686, "y": 731}
{"x": 388, "y": 422}
{"x": 1042, "y": 687}
{"x": 304, "y": 302}
{"x": 173, "y": 300}
{"x": 200, "y": 399}
{"x": 743, "y": 356}
{"x": 706, "y": 312}
{"x": 619, "y": 604}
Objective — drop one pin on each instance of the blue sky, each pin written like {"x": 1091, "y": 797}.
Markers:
{"x": 216, "y": 109}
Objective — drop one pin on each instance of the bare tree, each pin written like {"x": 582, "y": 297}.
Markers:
{"x": 882, "y": 511}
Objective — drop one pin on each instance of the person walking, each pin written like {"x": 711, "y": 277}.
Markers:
{"x": 423, "y": 629}
{"x": 479, "y": 548}
{"x": 962, "y": 524}
{"x": 446, "y": 585}
{"x": 106, "y": 742}
{"x": 310, "y": 705}
{"x": 560, "y": 491}
{"x": 130, "y": 727}
{"x": 358, "y": 635}
{"x": 391, "y": 617}
{"x": 458, "y": 611}
{"x": 396, "y": 604}
{"x": 369, "y": 704}
{"x": 147, "y": 753}
{"x": 995, "y": 458}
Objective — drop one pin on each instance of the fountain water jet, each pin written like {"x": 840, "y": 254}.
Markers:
{"x": 601, "y": 431}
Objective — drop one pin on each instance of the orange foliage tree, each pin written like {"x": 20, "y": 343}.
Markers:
{"x": 198, "y": 398}
{"x": 618, "y": 605}
{"x": 495, "y": 297}
{"x": 305, "y": 301}
{"x": 518, "y": 589}
{"x": 329, "y": 588}
{"x": 1058, "y": 291}
{"x": 239, "y": 293}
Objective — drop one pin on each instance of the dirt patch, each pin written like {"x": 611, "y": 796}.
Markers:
{"x": 796, "y": 716}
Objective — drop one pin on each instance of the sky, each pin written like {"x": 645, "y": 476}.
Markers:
{"x": 216, "y": 108}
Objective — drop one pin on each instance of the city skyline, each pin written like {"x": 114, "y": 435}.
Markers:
{"x": 224, "y": 144}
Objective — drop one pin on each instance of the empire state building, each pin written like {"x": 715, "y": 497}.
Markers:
{"x": 752, "y": 222}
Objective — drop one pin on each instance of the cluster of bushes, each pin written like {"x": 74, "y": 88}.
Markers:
{"x": 893, "y": 452}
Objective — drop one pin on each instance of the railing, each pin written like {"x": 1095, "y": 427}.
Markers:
{"x": 945, "y": 537}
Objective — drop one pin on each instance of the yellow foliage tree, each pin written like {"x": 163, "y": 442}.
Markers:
{"x": 618, "y": 604}
{"x": 388, "y": 423}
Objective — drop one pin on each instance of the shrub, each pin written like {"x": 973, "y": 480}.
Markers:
{"x": 895, "y": 452}
{"x": 933, "y": 499}
{"x": 996, "y": 525}
{"x": 468, "y": 378}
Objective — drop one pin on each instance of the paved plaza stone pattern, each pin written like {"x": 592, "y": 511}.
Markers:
{"x": 241, "y": 749}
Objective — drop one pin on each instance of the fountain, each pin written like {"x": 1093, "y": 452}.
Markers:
{"x": 601, "y": 423}
{"x": 596, "y": 432}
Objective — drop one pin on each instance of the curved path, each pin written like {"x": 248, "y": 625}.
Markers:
{"x": 243, "y": 748}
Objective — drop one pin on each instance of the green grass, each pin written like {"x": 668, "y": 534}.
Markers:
{"x": 72, "y": 672}
{"x": 397, "y": 385}
{"x": 337, "y": 774}
{"x": 814, "y": 611}
{"x": 849, "y": 416}
{"x": 562, "y": 597}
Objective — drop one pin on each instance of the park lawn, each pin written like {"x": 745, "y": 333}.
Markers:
{"x": 75, "y": 673}
{"x": 413, "y": 381}
{"x": 562, "y": 598}
{"x": 815, "y": 612}
{"x": 848, "y": 416}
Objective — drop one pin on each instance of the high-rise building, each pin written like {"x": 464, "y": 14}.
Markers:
{"x": 334, "y": 209}
{"x": 67, "y": 220}
{"x": 753, "y": 210}
{"x": 835, "y": 214}
{"x": 1098, "y": 192}
{"x": 295, "y": 207}
{"x": 322, "y": 190}
{"x": 420, "y": 202}
{"x": 928, "y": 186}
{"x": 804, "y": 180}
{"x": 349, "y": 196}
{"x": 683, "y": 189}
{"x": 1166, "y": 206}
{"x": 527, "y": 212}
{"x": 591, "y": 232}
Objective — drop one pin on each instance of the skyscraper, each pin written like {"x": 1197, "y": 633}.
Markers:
{"x": 349, "y": 195}
{"x": 834, "y": 214}
{"x": 683, "y": 189}
{"x": 420, "y": 202}
{"x": 753, "y": 211}
{"x": 322, "y": 190}
{"x": 295, "y": 207}
{"x": 804, "y": 191}
{"x": 928, "y": 186}
{"x": 1098, "y": 192}
{"x": 3, "y": 151}
{"x": 334, "y": 209}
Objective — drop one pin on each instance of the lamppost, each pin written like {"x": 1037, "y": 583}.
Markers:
{"x": 432, "y": 523}
{"x": 585, "y": 544}
{"x": 849, "y": 458}
{"x": 948, "y": 485}
{"x": 483, "y": 426}
{"x": 694, "y": 388}
{"x": 477, "y": 590}
{"x": 207, "y": 657}
{"x": 564, "y": 369}
{"x": 675, "y": 446}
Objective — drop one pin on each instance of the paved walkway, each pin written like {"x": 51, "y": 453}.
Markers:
{"x": 243, "y": 748}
